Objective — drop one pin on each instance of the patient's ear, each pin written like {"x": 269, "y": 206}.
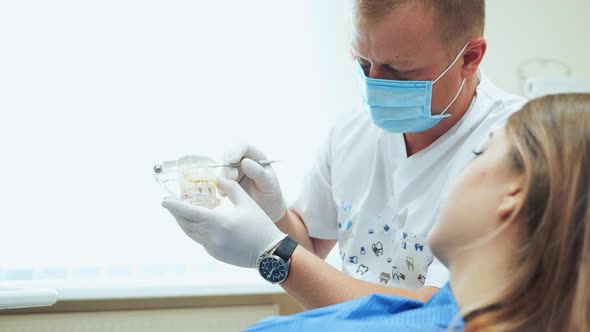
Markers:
{"x": 513, "y": 198}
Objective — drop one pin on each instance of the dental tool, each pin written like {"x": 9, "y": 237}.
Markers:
{"x": 235, "y": 165}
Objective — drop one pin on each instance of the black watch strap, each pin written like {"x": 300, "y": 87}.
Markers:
{"x": 286, "y": 248}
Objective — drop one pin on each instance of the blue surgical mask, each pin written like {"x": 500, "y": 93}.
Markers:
{"x": 403, "y": 106}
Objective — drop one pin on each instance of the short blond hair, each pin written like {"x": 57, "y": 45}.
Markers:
{"x": 456, "y": 20}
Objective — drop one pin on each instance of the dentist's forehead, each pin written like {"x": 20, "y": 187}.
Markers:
{"x": 379, "y": 44}
{"x": 403, "y": 37}
{"x": 367, "y": 49}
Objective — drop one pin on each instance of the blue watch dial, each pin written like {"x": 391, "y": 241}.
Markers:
{"x": 273, "y": 269}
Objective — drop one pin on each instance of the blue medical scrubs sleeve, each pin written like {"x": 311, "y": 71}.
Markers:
{"x": 373, "y": 313}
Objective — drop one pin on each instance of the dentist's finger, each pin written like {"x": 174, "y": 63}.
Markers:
{"x": 230, "y": 173}
{"x": 241, "y": 151}
{"x": 193, "y": 213}
{"x": 233, "y": 156}
{"x": 233, "y": 191}
{"x": 257, "y": 173}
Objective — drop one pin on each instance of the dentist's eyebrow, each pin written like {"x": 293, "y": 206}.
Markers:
{"x": 356, "y": 55}
{"x": 360, "y": 58}
{"x": 399, "y": 62}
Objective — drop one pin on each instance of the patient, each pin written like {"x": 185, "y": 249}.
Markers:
{"x": 514, "y": 233}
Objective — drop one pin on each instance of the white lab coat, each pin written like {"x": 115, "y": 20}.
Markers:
{"x": 380, "y": 205}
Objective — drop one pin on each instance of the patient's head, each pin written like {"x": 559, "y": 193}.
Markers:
{"x": 523, "y": 206}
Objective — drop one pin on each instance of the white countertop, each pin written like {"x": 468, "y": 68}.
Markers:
{"x": 11, "y": 298}
{"x": 234, "y": 282}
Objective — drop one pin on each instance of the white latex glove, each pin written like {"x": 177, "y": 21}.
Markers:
{"x": 260, "y": 182}
{"x": 236, "y": 236}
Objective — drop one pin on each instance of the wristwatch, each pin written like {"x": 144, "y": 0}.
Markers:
{"x": 273, "y": 265}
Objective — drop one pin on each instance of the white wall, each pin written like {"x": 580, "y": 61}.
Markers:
{"x": 523, "y": 29}
{"x": 93, "y": 93}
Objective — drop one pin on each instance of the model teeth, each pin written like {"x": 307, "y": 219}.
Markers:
{"x": 197, "y": 181}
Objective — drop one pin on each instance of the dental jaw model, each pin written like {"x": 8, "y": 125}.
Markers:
{"x": 190, "y": 178}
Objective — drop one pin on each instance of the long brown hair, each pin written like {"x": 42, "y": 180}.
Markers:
{"x": 548, "y": 288}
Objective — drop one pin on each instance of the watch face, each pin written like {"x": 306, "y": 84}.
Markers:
{"x": 273, "y": 269}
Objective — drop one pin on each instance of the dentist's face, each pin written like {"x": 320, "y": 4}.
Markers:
{"x": 405, "y": 46}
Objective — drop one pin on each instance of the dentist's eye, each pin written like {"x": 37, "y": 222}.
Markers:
{"x": 366, "y": 68}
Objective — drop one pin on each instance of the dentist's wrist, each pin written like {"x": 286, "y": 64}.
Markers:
{"x": 279, "y": 212}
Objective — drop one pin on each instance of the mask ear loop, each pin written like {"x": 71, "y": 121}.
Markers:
{"x": 452, "y": 64}
{"x": 454, "y": 99}
{"x": 446, "y": 71}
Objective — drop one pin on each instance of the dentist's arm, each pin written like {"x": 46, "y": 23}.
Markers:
{"x": 240, "y": 235}
{"x": 292, "y": 224}
{"x": 314, "y": 283}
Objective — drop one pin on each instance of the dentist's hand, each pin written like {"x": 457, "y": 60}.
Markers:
{"x": 260, "y": 182}
{"x": 237, "y": 236}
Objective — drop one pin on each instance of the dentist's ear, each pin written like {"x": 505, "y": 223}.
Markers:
{"x": 473, "y": 56}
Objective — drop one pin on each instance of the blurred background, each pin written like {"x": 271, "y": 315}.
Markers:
{"x": 93, "y": 93}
